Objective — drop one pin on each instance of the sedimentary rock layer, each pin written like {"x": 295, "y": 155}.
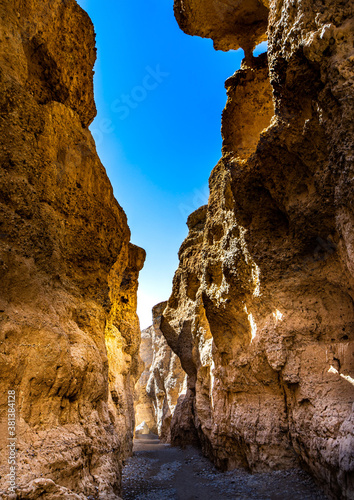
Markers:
{"x": 69, "y": 334}
{"x": 262, "y": 310}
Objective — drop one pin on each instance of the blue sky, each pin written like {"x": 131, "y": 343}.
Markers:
{"x": 159, "y": 95}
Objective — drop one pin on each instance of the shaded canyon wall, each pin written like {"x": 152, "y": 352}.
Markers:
{"x": 69, "y": 334}
{"x": 262, "y": 313}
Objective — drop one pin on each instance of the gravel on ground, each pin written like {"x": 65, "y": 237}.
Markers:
{"x": 159, "y": 471}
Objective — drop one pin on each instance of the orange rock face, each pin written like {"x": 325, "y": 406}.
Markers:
{"x": 261, "y": 313}
{"x": 69, "y": 334}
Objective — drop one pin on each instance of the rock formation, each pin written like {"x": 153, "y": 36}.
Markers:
{"x": 262, "y": 312}
{"x": 69, "y": 334}
{"x": 144, "y": 408}
{"x": 162, "y": 382}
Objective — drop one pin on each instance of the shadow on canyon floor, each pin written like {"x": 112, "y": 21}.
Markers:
{"x": 160, "y": 472}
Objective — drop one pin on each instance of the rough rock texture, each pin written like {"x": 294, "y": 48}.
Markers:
{"x": 69, "y": 334}
{"x": 262, "y": 310}
{"x": 230, "y": 23}
{"x": 162, "y": 382}
{"x": 144, "y": 408}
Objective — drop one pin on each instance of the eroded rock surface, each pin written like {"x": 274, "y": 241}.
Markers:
{"x": 262, "y": 311}
{"x": 144, "y": 408}
{"x": 69, "y": 334}
{"x": 230, "y": 23}
{"x": 162, "y": 383}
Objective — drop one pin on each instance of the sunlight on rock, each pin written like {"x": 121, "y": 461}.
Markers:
{"x": 256, "y": 280}
{"x": 184, "y": 386}
{"x": 142, "y": 428}
{"x": 212, "y": 382}
{"x": 348, "y": 378}
{"x": 278, "y": 316}
{"x": 252, "y": 324}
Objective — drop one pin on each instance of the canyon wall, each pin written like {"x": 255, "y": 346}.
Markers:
{"x": 69, "y": 334}
{"x": 162, "y": 383}
{"x": 262, "y": 312}
{"x": 145, "y": 418}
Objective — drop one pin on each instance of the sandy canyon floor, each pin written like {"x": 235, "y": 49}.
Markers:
{"x": 160, "y": 472}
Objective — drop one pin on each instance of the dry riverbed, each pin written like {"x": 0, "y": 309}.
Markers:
{"x": 161, "y": 472}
